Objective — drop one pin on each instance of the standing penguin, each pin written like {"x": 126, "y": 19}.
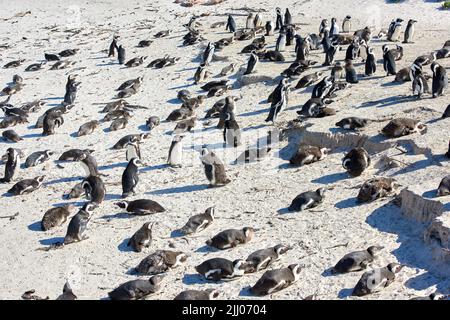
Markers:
{"x": 113, "y": 47}
{"x": 347, "y": 24}
{"x": 201, "y": 74}
{"x": 142, "y": 238}
{"x": 252, "y": 62}
{"x": 389, "y": 61}
{"x": 175, "y": 158}
{"x": 269, "y": 28}
{"x": 258, "y": 21}
{"x": 322, "y": 89}
{"x": 350, "y": 72}
{"x": 12, "y": 165}
{"x": 121, "y": 56}
{"x": 281, "y": 41}
{"x": 287, "y": 17}
{"x": 440, "y": 79}
{"x": 279, "y": 21}
{"x": 334, "y": 28}
{"x": 231, "y": 24}
{"x": 94, "y": 189}
{"x": 279, "y": 102}
{"x": 208, "y": 54}
{"x": 250, "y": 24}
{"x": 356, "y": 161}
{"x": 78, "y": 224}
{"x": 290, "y": 34}
{"x": 420, "y": 84}
{"x": 394, "y": 30}
{"x": 371, "y": 64}
{"x": 214, "y": 169}
{"x": 375, "y": 280}
{"x": 130, "y": 178}
{"x": 331, "y": 52}
{"x": 323, "y": 28}
{"x": 409, "y": 32}
{"x": 231, "y": 131}
{"x": 276, "y": 280}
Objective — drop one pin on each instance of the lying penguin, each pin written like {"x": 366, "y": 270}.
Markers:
{"x": 444, "y": 187}
{"x": 276, "y": 280}
{"x": 199, "y": 222}
{"x": 307, "y": 200}
{"x": 262, "y": 259}
{"x": 142, "y": 238}
{"x": 357, "y": 260}
{"x": 219, "y": 268}
{"x": 376, "y": 280}
{"x": 230, "y": 238}
{"x": 136, "y": 289}
{"x": 208, "y": 294}
{"x": 140, "y": 207}
{"x": 160, "y": 261}
{"x": 376, "y": 188}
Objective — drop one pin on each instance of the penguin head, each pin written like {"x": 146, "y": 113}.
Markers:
{"x": 421, "y": 128}
{"x": 212, "y": 293}
{"x": 281, "y": 249}
{"x": 240, "y": 266}
{"x": 181, "y": 258}
{"x": 321, "y": 192}
{"x": 374, "y": 250}
{"x": 348, "y": 17}
{"x": 295, "y": 269}
{"x": 122, "y": 204}
{"x": 89, "y": 207}
{"x": 385, "y": 48}
{"x": 394, "y": 267}
{"x": 136, "y": 161}
{"x": 49, "y": 153}
{"x": 324, "y": 152}
{"x": 144, "y": 136}
{"x": 433, "y": 67}
{"x": 248, "y": 233}
{"x": 211, "y": 211}
{"x": 40, "y": 179}
{"x": 156, "y": 280}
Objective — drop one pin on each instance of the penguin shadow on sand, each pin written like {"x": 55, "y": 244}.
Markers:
{"x": 430, "y": 194}
{"x": 176, "y": 233}
{"x": 74, "y": 203}
{"x": 207, "y": 249}
{"x": 245, "y": 292}
{"x": 124, "y": 247}
{"x": 155, "y": 167}
{"x": 174, "y": 101}
{"x": 195, "y": 278}
{"x": 331, "y": 178}
{"x": 388, "y": 102}
{"x": 284, "y": 211}
{"x": 113, "y": 166}
{"x": 363, "y": 77}
{"x": 106, "y": 64}
{"x": 254, "y": 113}
{"x": 32, "y": 135}
{"x": 50, "y": 241}
{"x": 63, "y": 180}
{"x": 345, "y": 293}
{"x": 347, "y": 203}
{"x": 35, "y": 226}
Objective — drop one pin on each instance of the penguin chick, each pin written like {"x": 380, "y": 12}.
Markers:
{"x": 262, "y": 259}
{"x": 75, "y": 193}
{"x": 219, "y": 268}
{"x": 55, "y": 217}
{"x": 230, "y": 238}
{"x": 376, "y": 280}
{"x": 136, "y": 289}
{"x": 214, "y": 169}
{"x": 199, "y": 222}
{"x": 308, "y": 154}
{"x": 444, "y": 187}
{"x": 152, "y": 122}
{"x": 376, "y": 188}
{"x": 357, "y": 260}
{"x": 307, "y": 200}
{"x": 356, "y": 161}
{"x": 276, "y": 280}
{"x": 67, "y": 293}
{"x": 142, "y": 238}
{"x": 160, "y": 261}
{"x": 141, "y": 207}
{"x": 403, "y": 126}
{"x": 208, "y": 294}
{"x": 78, "y": 224}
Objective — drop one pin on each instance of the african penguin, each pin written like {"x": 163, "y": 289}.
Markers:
{"x": 262, "y": 259}
{"x": 444, "y": 187}
{"x": 136, "y": 289}
{"x": 307, "y": 154}
{"x": 26, "y": 186}
{"x": 307, "y": 200}
{"x": 78, "y": 224}
{"x": 94, "y": 189}
{"x": 199, "y": 222}
{"x": 230, "y": 238}
{"x": 356, "y": 161}
{"x": 403, "y": 126}
{"x": 376, "y": 188}
{"x": 219, "y": 268}
{"x": 130, "y": 178}
{"x": 142, "y": 238}
{"x": 175, "y": 158}
{"x": 375, "y": 280}
{"x": 140, "y": 207}
{"x": 357, "y": 260}
{"x": 160, "y": 261}
{"x": 276, "y": 280}
{"x": 214, "y": 169}
{"x": 55, "y": 217}
{"x": 440, "y": 79}
{"x": 12, "y": 165}
{"x": 208, "y": 294}
{"x": 37, "y": 158}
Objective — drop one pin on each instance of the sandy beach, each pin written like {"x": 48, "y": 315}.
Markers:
{"x": 259, "y": 193}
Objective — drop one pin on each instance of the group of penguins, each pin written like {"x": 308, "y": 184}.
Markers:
{"x": 329, "y": 39}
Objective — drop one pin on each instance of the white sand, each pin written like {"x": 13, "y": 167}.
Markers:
{"x": 99, "y": 264}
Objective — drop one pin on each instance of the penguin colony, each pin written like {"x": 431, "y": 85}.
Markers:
{"x": 280, "y": 39}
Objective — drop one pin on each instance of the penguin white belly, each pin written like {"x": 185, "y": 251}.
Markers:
{"x": 86, "y": 168}
{"x": 396, "y": 34}
{"x": 176, "y": 155}
{"x": 279, "y": 285}
{"x": 201, "y": 226}
{"x": 308, "y": 159}
{"x": 307, "y": 205}
{"x": 258, "y": 267}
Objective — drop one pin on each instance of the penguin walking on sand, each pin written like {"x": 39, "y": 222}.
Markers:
{"x": 347, "y": 24}
{"x": 279, "y": 20}
{"x": 376, "y": 280}
{"x": 231, "y": 24}
{"x": 252, "y": 62}
{"x": 12, "y": 165}
{"x": 371, "y": 63}
{"x": 219, "y": 268}
{"x": 231, "y": 131}
{"x": 199, "y": 222}
{"x": 142, "y": 238}
{"x": 287, "y": 17}
{"x": 94, "y": 189}
{"x": 26, "y": 186}
{"x": 78, "y": 224}
{"x": 160, "y": 261}
{"x": 208, "y": 54}
{"x": 214, "y": 169}
{"x": 307, "y": 200}
{"x": 262, "y": 259}
{"x": 357, "y": 260}
{"x": 279, "y": 101}
{"x": 276, "y": 280}
{"x": 175, "y": 158}
{"x": 136, "y": 289}
{"x": 409, "y": 32}
{"x": 440, "y": 80}
{"x": 389, "y": 61}
{"x": 356, "y": 161}
{"x": 230, "y": 238}
{"x": 130, "y": 178}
